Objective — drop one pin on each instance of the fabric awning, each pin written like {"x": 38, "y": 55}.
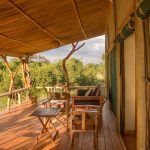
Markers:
{"x": 127, "y": 30}
{"x": 143, "y": 9}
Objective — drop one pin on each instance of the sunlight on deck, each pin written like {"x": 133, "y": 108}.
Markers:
{"x": 19, "y": 131}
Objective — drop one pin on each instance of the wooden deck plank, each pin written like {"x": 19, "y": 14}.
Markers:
{"x": 19, "y": 131}
{"x": 86, "y": 143}
{"x": 112, "y": 126}
{"x": 130, "y": 141}
{"x": 107, "y": 135}
{"x": 101, "y": 139}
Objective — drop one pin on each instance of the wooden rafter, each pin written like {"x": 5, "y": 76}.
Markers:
{"x": 4, "y": 52}
{"x": 33, "y": 21}
{"x": 109, "y": 13}
{"x": 4, "y": 36}
{"x": 14, "y": 54}
{"x": 78, "y": 17}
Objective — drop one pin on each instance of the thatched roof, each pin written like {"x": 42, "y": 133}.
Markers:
{"x": 32, "y": 26}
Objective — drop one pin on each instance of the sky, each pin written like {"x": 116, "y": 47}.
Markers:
{"x": 91, "y": 52}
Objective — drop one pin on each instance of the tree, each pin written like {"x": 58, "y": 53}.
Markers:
{"x": 12, "y": 73}
{"x": 75, "y": 70}
{"x": 102, "y": 67}
{"x": 58, "y": 71}
{"x": 42, "y": 74}
{"x": 74, "y": 49}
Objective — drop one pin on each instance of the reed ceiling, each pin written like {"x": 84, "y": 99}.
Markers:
{"x": 31, "y": 26}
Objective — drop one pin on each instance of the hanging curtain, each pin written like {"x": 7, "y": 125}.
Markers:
{"x": 113, "y": 80}
{"x": 122, "y": 100}
{"x": 143, "y": 9}
{"x": 127, "y": 30}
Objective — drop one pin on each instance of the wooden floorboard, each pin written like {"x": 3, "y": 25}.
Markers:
{"x": 18, "y": 131}
{"x": 129, "y": 141}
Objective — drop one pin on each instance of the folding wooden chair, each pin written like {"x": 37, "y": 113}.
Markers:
{"x": 85, "y": 121}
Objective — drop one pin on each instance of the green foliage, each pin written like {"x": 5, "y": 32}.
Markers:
{"x": 75, "y": 71}
{"x": 45, "y": 73}
{"x": 58, "y": 71}
{"x": 42, "y": 74}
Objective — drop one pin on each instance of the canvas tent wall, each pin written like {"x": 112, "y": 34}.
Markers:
{"x": 129, "y": 61}
{"x": 116, "y": 22}
{"x": 140, "y": 11}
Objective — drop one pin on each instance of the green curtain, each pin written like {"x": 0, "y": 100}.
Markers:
{"x": 122, "y": 100}
{"x": 113, "y": 80}
{"x": 143, "y": 10}
{"x": 127, "y": 30}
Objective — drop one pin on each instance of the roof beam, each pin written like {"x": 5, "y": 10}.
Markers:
{"x": 78, "y": 17}
{"x": 4, "y": 36}
{"x": 33, "y": 21}
{"x": 13, "y": 54}
{"x": 8, "y": 53}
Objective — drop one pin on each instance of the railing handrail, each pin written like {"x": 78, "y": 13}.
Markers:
{"x": 40, "y": 87}
{"x": 55, "y": 88}
{"x": 13, "y": 92}
{"x": 47, "y": 87}
{"x": 91, "y": 86}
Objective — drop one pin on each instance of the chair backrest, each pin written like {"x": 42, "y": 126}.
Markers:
{"x": 84, "y": 120}
{"x": 90, "y": 92}
{"x": 58, "y": 95}
{"x": 81, "y": 92}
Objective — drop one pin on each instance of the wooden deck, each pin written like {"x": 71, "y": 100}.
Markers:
{"x": 19, "y": 131}
{"x": 130, "y": 141}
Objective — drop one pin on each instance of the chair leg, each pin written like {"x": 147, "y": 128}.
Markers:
{"x": 95, "y": 141}
{"x": 72, "y": 137}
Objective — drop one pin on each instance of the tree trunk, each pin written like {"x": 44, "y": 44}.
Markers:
{"x": 66, "y": 73}
{"x": 11, "y": 82}
{"x": 26, "y": 73}
{"x": 74, "y": 49}
{"x": 12, "y": 77}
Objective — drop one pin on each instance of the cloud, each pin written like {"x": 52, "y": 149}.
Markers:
{"x": 91, "y": 52}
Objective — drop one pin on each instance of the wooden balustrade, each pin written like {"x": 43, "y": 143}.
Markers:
{"x": 49, "y": 88}
{"x": 9, "y": 94}
{"x": 59, "y": 88}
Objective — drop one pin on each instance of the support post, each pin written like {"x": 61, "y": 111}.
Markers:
{"x": 12, "y": 78}
{"x": 118, "y": 87}
{"x": 140, "y": 85}
{"x": 118, "y": 76}
{"x": 26, "y": 71}
{"x": 19, "y": 98}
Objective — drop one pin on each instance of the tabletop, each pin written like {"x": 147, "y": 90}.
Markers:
{"x": 46, "y": 112}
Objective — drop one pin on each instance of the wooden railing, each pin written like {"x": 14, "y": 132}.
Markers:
{"x": 13, "y": 92}
{"x": 56, "y": 88}
{"x": 10, "y": 95}
{"x": 49, "y": 88}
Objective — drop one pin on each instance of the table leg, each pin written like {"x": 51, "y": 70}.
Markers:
{"x": 45, "y": 128}
{"x": 56, "y": 131}
{"x": 60, "y": 121}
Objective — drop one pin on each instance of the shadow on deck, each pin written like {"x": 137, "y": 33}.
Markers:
{"x": 18, "y": 131}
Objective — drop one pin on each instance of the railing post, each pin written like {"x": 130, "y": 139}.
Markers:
{"x": 8, "y": 103}
{"x": 19, "y": 98}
